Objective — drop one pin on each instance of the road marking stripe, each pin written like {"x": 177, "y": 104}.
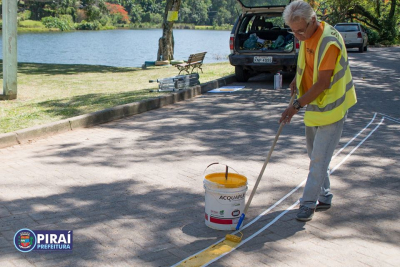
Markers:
{"x": 359, "y": 144}
{"x": 390, "y": 118}
{"x": 340, "y": 150}
{"x": 224, "y": 247}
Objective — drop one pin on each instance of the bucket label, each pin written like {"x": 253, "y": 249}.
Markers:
{"x": 233, "y": 198}
{"x": 223, "y": 207}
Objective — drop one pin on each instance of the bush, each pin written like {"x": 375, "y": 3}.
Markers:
{"x": 373, "y": 36}
{"x": 64, "y": 23}
{"x": 84, "y": 25}
{"x": 80, "y": 15}
{"x": 105, "y": 21}
{"x": 156, "y": 18}
{"x": 25, "y": 15}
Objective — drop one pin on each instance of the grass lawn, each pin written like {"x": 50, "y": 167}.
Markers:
{"x": 50, "y": 92}
{"x": 33, "y": 26}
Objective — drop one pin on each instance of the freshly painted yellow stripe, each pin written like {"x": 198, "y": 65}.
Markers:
{"x": 210, "y": 254}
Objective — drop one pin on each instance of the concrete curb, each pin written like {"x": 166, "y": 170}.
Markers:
{"x": 83, "y": 121}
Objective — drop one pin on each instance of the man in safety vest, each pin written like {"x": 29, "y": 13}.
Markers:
{"x": 324, "y": 85}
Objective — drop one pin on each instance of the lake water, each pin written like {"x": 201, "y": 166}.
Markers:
{"x": 120, "y": 48}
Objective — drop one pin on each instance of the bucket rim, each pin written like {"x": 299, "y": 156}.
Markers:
{"x": 242, "y": 180}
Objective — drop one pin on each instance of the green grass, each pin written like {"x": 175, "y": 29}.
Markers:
{"x": 50, "y": 92}
{"x": 33, "y": 26}
{"x": 208, "y": 27}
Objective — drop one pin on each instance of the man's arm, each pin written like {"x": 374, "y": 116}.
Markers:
{"x": 323, "y": 82}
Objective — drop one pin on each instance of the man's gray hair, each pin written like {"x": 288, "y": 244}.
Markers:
{"x": 298, "y": 10}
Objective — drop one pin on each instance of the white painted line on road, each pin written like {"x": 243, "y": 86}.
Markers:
{"x": 390, "y": 118}
{"x": 283, "y": 198}
{"x": 337, "y": 153}
{"x": 354, "y": 149}
{"x": 297, "y": 202}
{"x": 256, "y": 233}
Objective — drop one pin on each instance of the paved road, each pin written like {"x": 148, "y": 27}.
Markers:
{"x": 132, "y": 192}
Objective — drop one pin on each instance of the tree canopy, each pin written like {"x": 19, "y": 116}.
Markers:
{"x": 381, "y": 17}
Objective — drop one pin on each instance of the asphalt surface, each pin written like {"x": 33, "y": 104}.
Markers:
{"x": 132, "y": 189}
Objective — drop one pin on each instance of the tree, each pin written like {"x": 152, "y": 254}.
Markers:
{"x": 380, "y": 16}
{"x": 118, "y": 13}
{"x": 166, "y": 42}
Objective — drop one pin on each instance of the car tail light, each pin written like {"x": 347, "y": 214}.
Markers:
{"x": 231, "y": 42}
{"x": 359, "y": 35}
{"x": 297, "y": 45}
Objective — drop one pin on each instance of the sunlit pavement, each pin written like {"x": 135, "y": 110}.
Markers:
{"x": 132, "y": 190}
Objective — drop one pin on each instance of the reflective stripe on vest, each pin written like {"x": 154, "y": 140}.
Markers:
{"x": 331, "y": 105}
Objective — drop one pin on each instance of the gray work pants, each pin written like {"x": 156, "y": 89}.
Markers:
{"x": 321, "y": 142}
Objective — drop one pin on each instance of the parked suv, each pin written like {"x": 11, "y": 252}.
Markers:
{"x": 354, "y": 35}
{"x": 260, "y": 40}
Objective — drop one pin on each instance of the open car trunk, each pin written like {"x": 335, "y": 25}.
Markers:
{"x": 264, "y": 33}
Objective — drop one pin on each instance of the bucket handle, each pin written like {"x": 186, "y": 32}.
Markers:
{"x": 226, "y": 168}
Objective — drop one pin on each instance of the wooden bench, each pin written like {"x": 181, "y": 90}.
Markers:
{"x": 194, "y": 61}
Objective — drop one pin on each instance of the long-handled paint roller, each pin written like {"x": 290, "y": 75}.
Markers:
{"x": 236, "y": 238}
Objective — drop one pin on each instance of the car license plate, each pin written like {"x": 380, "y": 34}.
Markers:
{"x": 262, "y": 60}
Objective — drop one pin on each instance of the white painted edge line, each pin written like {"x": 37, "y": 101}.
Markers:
{"x": 389, "y": 117}
{"x": 283, "y": 198}
{"x": 359, "y": 144}
{"x": 348, "y": 143}
{"x": 297, "y": 202}
{"x": 256, "y": 233}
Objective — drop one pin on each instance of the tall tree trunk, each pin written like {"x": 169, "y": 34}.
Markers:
{"x": 166, "y": 42}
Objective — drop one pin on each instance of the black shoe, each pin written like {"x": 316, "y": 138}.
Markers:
{"x": 305, "y": 214}
{"x": 322, "y": 206}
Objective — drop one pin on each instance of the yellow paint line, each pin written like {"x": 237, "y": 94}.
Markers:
{"x": 209, "y": 254}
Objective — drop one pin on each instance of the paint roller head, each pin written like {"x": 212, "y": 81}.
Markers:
{"x": 234, "y": 238}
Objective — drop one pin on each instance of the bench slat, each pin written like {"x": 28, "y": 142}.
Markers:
{"x": 194, "y": 61}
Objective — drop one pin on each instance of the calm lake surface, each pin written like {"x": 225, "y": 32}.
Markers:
{"x": 120, "y": 48}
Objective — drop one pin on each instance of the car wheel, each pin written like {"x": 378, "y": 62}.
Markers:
{"x": 361, "y": 49}
{"x": 242, "y": 75}
{"x": 366, "y": 48}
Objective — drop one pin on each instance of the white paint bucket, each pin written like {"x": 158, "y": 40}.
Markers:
{"x": 224, "y": 199}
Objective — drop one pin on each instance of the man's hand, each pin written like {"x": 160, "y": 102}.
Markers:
{"x": 288, "y": 114}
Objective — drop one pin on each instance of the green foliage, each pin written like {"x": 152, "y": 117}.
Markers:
{"x": 25, "y": 15}
{"x": 64, "y": 22}
{"x": 373, "y": 36}
{"x": 106, "y": 21}
{"x": 381, "y": 17}
{"x": 85, "y": 25}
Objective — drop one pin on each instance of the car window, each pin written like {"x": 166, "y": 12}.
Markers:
{"x": 347, "y": 28}
{"x": 261, "y": 22}
{"x": 246, "y": 24}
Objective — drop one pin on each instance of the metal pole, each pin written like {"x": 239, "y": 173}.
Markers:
{"x": 9, "y": 50}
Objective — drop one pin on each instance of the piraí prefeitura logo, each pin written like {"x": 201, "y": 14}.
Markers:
{"x": 26, "y": 240}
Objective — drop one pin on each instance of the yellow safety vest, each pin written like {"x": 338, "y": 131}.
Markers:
{"x": 331, "y": 105}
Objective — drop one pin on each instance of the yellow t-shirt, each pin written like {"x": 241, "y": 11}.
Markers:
{"x": 328, "y": 62}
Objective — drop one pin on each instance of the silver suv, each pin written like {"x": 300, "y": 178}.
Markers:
{"x": 354, "y": 35}
{"x": 260, "y": 40}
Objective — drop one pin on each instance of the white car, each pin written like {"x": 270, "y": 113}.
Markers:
{"x": 354, "y": 35}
